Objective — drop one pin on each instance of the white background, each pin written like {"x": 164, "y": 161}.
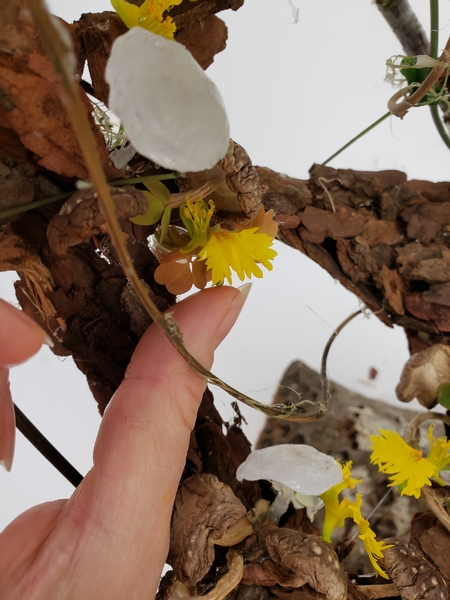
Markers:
{"x": 295, "y": 93}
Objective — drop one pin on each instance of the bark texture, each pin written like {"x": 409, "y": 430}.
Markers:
{"x": 383, "y": 237}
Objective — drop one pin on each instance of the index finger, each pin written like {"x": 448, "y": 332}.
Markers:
{"x": 20, "y": 336}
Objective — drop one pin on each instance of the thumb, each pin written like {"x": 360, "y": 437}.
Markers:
{"x": 127, "y": 498}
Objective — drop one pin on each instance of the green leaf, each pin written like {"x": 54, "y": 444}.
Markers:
{"x": 165, "y": 222}
{"x": 158, "y": 189}
{"x": 153, "y": 214}
{"x": 444, "y": 395}
{"x": 158, "y": 196}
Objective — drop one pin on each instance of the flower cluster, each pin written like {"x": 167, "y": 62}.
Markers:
{"x": 148, "y": 16}
{"x": 406, "y": 465}
{"x": 337, "y": 511}
{"x": 203, "y": 253}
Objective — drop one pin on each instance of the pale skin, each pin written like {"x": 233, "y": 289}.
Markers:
{"x": 110, "y": 539}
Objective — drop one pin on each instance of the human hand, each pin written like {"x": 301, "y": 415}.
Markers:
{"x": 110, "y": 539}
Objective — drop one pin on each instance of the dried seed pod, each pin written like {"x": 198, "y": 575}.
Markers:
{"x": 233, "y": 184}
{"x": 205, "y": 509}
{"x": 416, "y": 578}
{"x": 297, "y": 560}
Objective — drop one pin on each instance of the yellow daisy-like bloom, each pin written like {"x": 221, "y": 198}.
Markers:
{"x": 149, "y": 15}
{"x": 406, "y": 466}
{"x": 213, "y": 253}
{"x": 239, "y": 251}
{"x": 373, "y": 548}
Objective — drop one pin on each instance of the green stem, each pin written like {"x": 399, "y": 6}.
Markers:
{"x": 4, "y": 214}
{"x": 434, "y": 46}
{"x": 440, "y": 125}
{"x": 434, "y": 26}
{"x": 353, "y": 140}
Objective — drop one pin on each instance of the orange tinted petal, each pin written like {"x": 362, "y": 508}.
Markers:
{"x": 174, "y": 272}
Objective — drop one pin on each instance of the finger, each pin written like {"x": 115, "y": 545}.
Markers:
{"x": 160, "y": 391}
{"x": 115, "y": 528}
{"x": 7, "y": 422}
{"x": 20, "y": 336}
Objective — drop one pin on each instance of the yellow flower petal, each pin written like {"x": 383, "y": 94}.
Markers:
{"x": 239, "y": 251}
{"x": 373, "y": 548}
{"x": 148, "y": 16}
{"x": 336, "y": 512}
{"x": 405, "y": 465}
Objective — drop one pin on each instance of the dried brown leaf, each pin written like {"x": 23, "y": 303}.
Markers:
{"x": 33, "y": 109}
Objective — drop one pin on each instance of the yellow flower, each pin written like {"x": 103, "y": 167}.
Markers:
{"x": 406, "y": 466}
{"x": 213, "y": 253}
{"x": 373, "y": 548}
{"x": 337, "y": 511}
{"x": 196, "y": 217}
{"x": 149, "y": 15}
{"x": 239, "y": 251}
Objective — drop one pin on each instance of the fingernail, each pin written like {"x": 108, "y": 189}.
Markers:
{"x": 233, "y": 313}
{"x": 48, "y": 341}
{"x": 7, "y": 423}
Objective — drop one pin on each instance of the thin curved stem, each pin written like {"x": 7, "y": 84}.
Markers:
{"x": 324, "y": 382}
{"x": 413, "y": 433}
{"x": 9, "y": 212}
{"x": 352, "y": 141}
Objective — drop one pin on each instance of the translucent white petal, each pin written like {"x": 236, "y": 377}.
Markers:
{"x": 300, "y": 467}
{"x": 172, "y": 112}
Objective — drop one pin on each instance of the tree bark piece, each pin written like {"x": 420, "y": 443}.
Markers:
{"x": 383, "y": 237}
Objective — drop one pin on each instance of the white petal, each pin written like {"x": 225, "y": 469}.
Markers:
{"x": 300, "y": 467}
{"x": 172, "y": 112}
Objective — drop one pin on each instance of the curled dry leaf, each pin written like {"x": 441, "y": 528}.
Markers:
{"x": 234, "y": 183}
{"x": 80, "y": 217}
{"x": 414, "y": 575}
{"x": 205, "y": 508}
{"x": 297, "y": 560}
{"x": 422, "y": 375}
{"x": 31, "y": 104}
